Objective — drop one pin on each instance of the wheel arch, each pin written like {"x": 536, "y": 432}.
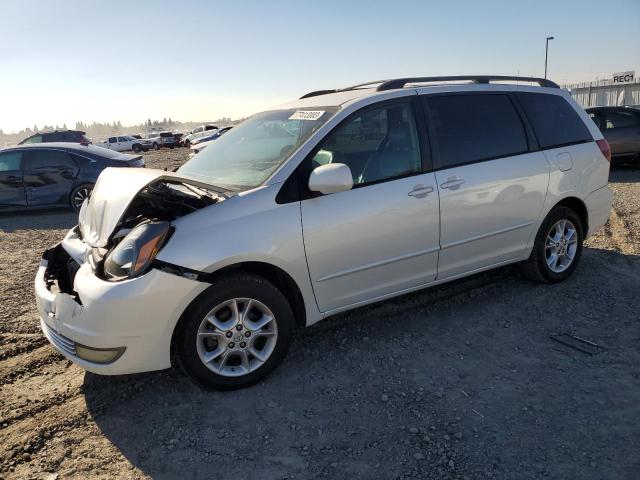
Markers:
{"x": 578, "y": 206}
{"x": 276, "y": 275}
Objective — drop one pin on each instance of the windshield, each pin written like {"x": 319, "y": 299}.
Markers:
{"x": 245, "y": 156}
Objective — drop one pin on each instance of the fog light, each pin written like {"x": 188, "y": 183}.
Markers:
{"x": 99, "y": 355}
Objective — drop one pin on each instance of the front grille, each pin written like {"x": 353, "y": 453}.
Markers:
{"x": 61, "y": 342}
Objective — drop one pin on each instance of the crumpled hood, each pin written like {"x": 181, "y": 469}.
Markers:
{"x": 112, "y": 195}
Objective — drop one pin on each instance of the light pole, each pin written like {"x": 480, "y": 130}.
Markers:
{"x": 546, "y": 56}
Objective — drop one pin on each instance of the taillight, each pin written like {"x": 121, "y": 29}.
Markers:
{"x": 604, "y": 148}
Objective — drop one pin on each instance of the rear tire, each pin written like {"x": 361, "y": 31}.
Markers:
{"x": 156, "y": 146}
{"x": 557, "y": 248}
{"x": 235, "y": 332}
{"x": 78, "y": 195}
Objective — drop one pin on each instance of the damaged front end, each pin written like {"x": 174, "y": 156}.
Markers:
{"x": 122, "y": 233}
{"x": 88, "y": 309}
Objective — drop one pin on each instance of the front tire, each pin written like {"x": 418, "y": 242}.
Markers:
{"x": 557, "y": 249}
{"x": 137, "y": 148}
{"x": 234, "y": 333}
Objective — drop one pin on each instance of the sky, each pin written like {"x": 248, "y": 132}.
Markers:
{"x": 67, "y": 60}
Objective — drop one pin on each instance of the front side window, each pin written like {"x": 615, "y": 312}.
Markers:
{"x": 377, "y": 144}
{"x": 247, "y": 155}
{"x": 10, "y": 161}
{"x": 621, "y": 119}
{"x": 122, "y": 139}
{"x": 553, "y": 119}
{"x": 471, "y": 128}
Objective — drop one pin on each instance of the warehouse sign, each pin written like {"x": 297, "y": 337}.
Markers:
{"x": 624, "y": 77}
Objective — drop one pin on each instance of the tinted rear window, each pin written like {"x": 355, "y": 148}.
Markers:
{"x": 470, "y": 128}
{"x": 554, "y": 121}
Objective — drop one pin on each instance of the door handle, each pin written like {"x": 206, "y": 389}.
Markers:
{"x": 13, "y": 178}
{"x": 452, "y": 183}
{"x": 420, "y": 191}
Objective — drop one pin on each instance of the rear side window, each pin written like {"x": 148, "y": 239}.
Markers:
{"x": 48, "y": 159}
{"x": 621, "y": 119}
{"x": 471, "y": 128}
{"x": 554, "y": 121}
{"x": 34, "y": 139}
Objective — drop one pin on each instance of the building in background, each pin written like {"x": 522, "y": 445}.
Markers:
{"x": 622, "y": 89}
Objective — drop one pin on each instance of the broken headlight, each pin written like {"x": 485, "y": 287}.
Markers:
{"x": 133, "y": 255}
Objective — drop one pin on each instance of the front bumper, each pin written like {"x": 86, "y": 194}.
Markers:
{"x": 137, "y": 315}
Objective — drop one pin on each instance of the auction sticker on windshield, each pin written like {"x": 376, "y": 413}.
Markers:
{"x": 306, "y": 115}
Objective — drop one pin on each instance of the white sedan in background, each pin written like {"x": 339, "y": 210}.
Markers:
{"x": 124, "y": 143}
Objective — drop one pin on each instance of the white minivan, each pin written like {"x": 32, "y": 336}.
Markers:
{"x": 336, "y": 200}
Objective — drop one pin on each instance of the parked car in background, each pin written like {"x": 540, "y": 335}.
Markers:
{"x": 55, "y": 174}
{"x": 331, "y": 202}
{"x": 621, "y": 127}
{"x": 197, "y": 132}
{"x": 73, "y": 136}
{"x": 158, "y": 140}
{"x": 122, "y": 143}
{"x": 178, "y": 137}
{"x": 208, "y": 136}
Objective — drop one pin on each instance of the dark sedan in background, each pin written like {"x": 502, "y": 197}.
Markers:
{"x": 74, "y": 136}
{"x": 621, "y": 127}
{"x": 54, "y": 174}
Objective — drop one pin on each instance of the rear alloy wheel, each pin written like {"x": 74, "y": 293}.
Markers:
{"x": 79, "y": 195}
{"x": 235, "y": 332}
{"x": 557, "y": 248}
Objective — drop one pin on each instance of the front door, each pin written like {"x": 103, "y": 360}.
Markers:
{"x": 491, "y": 189}
{"x": 49, "y": 177}
{"x": 11, "y": 179}
{"x": 381, "y": 237}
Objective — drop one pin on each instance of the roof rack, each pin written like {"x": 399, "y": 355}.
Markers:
{"x": 402, "y": 82}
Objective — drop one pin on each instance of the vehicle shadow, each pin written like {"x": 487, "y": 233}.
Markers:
{"x": 37, "y": 219}
{"x": 341, "y": 405}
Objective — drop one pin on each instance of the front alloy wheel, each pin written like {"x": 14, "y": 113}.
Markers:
{"x": 235, "y": 332}
{"x": 237, "y": 337}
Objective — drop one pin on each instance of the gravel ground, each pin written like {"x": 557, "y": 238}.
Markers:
{"x": 458, "y": 381}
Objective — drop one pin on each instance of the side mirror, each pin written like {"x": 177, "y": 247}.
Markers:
{"x": 331, "y": 178}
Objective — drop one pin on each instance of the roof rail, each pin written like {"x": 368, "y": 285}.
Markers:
{"x": 335, "y": 90}
{"x": 401, "y": 82}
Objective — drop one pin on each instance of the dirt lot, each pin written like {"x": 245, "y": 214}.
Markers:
{"x": 459, "y": 381}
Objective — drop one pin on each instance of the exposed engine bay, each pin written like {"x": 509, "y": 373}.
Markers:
{"x": 165, "y": 200}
